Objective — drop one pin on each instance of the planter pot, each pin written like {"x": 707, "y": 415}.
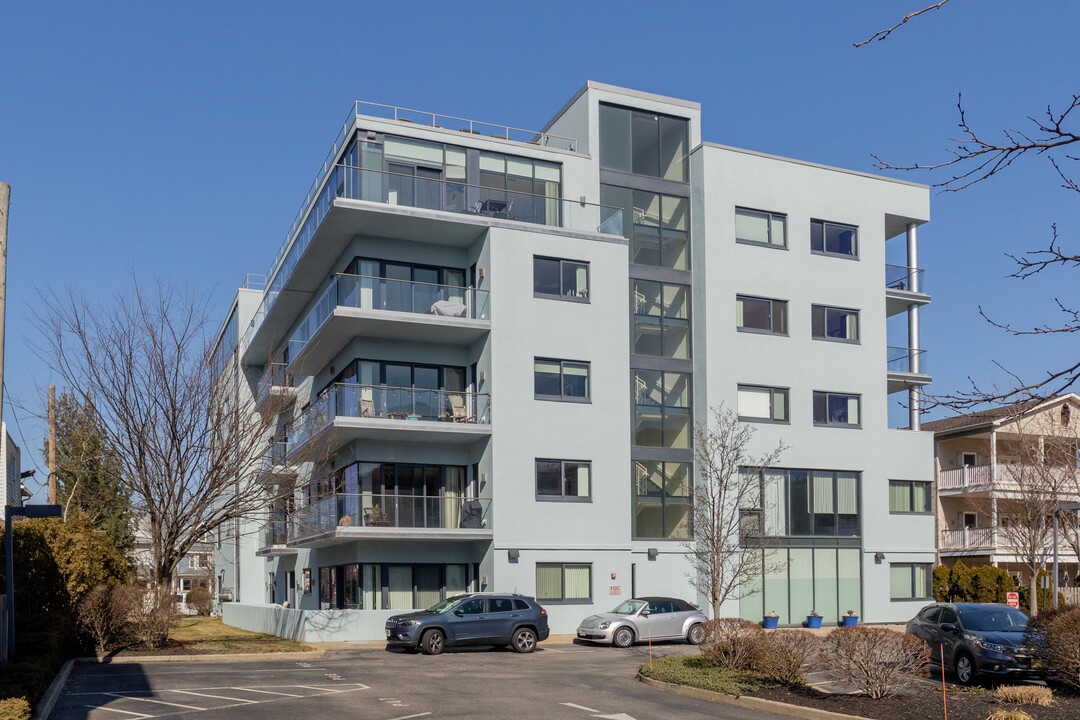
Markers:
{"x": 813, "y": 621}
{"x": 850, "y": 620}
{"x": 770, "y": 623}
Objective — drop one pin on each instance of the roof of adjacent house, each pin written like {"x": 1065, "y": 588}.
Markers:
{"x": 993, "y": 416}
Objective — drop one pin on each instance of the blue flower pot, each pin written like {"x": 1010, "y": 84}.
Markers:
{"x": 770, "y": 623}
{"x": 813, "y": 622}
{"x": 850, "y": 620}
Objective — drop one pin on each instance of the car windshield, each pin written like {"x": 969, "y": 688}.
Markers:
{"x": 446, "y": 604}
{"x": 629, "y": 607}
{"x": 993, "y": 619}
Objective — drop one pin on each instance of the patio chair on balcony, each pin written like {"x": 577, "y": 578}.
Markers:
{"x": 367, "y": 409}
{"x": 457, "y": 412}
{"x": 472, "y": 514}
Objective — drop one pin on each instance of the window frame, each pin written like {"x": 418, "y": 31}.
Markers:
{"x": 911, "y": 497}
{"x": 928, "y": 568}
{"x": 814, "y": 307}
{"x": 825, "y": 224}
{"x": 668, "y": 324}
{"x": 772, "y": 312}
{"x": 773, "y": 390}
{"x": 768, "y": 221}
{"x": 562, "y": 600}
{"x": 562, "y": 396}
{"x": 562, "y": 496}
{"x": 826, "y": 423}
{"x": 562, "y": 296}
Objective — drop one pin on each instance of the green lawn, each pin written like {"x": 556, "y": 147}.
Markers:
{"x": 210, "y": 635}
{"x": 697, "y": 671}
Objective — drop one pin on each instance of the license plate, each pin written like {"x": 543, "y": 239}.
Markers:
{"x": 387, "y": 633}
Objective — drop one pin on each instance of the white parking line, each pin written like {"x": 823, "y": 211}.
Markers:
{"x": 157, "y": 702}
{"x": 580, "y": 707}
{"x": 216, "y": 697}
{"x": 406, "y": 717}
{"x": 126, "y": 712}
{"x": 268, "y": 692}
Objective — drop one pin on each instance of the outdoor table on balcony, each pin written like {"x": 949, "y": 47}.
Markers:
{"x": 495, "y": 208}
{"x": 398, "y": 415}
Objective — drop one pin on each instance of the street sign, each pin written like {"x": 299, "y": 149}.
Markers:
{"x": 1013, "y": 600}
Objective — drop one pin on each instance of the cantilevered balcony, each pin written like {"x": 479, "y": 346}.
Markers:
{"x": 361, "y": 516}
{"x": 906, "y": 368}
{"x": 403, "y": 207}
{"x": 275, "y": 466}
{"x": 359, "y": 305}
{"x": 347, "y": 412}
{"x": 275, "y": 388}
{"x": 274, "y": 538}
{"x": 904, "y": 287}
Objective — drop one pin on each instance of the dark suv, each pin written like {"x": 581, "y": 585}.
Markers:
{"x": 978, "y": 639}
{"x": 472, "y": 619}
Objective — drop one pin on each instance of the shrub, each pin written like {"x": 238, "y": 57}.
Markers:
{"x": 1024, "y": 694}
{"x": 697, "y": 671}
{"x": 201, "y": 600}
{"x": 14, "y": 709}
{"x": 982, "y": 583}
{"x": 1009, "y": 715}
{"x": 105, "y": 610}
{"x": 941, "y": 583}
{"x": 878, "y": 661}
{"x": 733, "y": 643}
{"x": 154, "y": 614}
{"x": 786, "y": 653}
{"x": 1061, "y": 642}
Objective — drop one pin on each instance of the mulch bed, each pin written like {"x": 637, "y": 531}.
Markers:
{"x": 924, "y": 703}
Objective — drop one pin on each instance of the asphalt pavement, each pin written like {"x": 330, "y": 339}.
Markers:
{"x": 561, "y": 682}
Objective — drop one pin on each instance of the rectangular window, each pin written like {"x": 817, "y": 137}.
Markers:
{"x": 830, "y": 323}
{"x": 753, "y": 314}
{"x": 657, "y": 225}
{"x": 661, "y": 315}
{"x": 754, "y": 227}
{"x": 563, "y": 582}
{"x": 561, "y": 279}
{"x": 643, "y": 143}
{"x": 910, "y": 581}
{"x": 307, "y": 581}
{"x": 829, "y": 238}
{"x": 808, "y": 502}
{"x": 563, "y": 479}
{"x": 662, "y": 499}
{"x": 561, "y": 380}
{"x": 909, "y": 496}
{"x": 763, "y": 404}
{"x": 837, "y": 409}
{"x": 661, "y": 409}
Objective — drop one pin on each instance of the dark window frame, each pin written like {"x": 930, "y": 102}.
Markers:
{"x": 664, "y": 498}
{"x": 911, "y": 497}
{"x": 773, "y": 390}
{"x": 562, "y": 600}
{"x": 667, "y": 323}
{"x": 825, "y": 225}
{"x": 562, "y": 295}
{"x": 768, "y": 218}
{"x": 927, "y": 568}
{"x": 562, "y": 496}
{"x": 659, "y": 117}
{"x": 827, "y": 423}
{"x": 789, "y": 520}
{"x": 772, "y": 316}
{"x": 814, "y": 308}
{"x": 563, "y": 397}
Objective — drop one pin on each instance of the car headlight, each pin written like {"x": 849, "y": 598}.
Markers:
{"x": 604, "y": 625}
{"x": 993, "y": 647}
{"x": 408, "y": 622}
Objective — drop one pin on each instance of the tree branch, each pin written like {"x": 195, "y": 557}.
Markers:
{"x": 882, "y": 34}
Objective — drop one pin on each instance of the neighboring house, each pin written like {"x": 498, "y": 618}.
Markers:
{"x": 196, "y": 568}
{"x": 12, "y": 491}
{"x": 990, "y": 463}
{"x": 498, "y": 343}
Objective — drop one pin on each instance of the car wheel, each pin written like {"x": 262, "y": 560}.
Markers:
{"x": 433, "y": 642}
{"x": 524, "y": 640}
{"x": 696, "y": 634}
{"x": 965, "y": 669}
{"x": 623, "y": 637}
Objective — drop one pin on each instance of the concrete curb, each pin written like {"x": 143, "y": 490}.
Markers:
{"x": 750, "y": 703}
{"x": 48, "y": 700}
{"x": 206, "y": 658}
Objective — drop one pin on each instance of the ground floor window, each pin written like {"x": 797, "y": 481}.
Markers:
{"x": 796, "y": 581}
{"x": 563, "y": 582}
{"x": 371, "y": 586}
{"x": 910, "y": 581}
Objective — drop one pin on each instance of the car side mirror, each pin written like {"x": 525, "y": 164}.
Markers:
{"x": 458, "y": 612}
{"x": 949, "y": 627}
{"x": 644, "y": 613}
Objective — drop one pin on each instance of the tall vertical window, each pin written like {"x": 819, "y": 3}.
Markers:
{"x": 519, "y": 188}
{"x": 643, "y": 143}
{"x": 909, "y": 496}
{"x": 561, "y": 279}
{"x": 755, "y": 227}
{"x": 659, "y": 227}
{"x": 563, "y": 479}
{"x": 754, "y": 314}
{"x": 837, "y": 409}
{"x": 661, "y": 499}
{"x": 830, "y": 238}
{"x": 563, "y": 582}
{"x": 830, "y": 323}
{"x": 763, "y": 404}
{"x": 561, "y": 380}
{"x": 661, "y": 313}
{"x": 910, "y": 581}
{"x": 661, "y": 409}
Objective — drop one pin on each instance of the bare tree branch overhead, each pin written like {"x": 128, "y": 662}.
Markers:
{"x": 882, "y": 34}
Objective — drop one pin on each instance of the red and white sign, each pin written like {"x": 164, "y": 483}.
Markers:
{"x": 614, "y": 590}
{"x": 1013, "y": 600}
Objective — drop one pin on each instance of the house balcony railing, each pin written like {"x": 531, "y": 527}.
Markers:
{"x": 388, "y": 404}
{"x": 1012, "y": 477}
{"x": 373, "y": 293}
{"x": 275, "y": 463}
{"x": 354, "y": 183}
{"x": 906, "y": 360}
{"x": 968, "y": 539}
{"x": 355, "y": 513}
{"x": 274, "y": 382}
{"x": 901, "y": 277}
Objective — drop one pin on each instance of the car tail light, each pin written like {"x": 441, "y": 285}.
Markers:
{"x": 543, "y": 611}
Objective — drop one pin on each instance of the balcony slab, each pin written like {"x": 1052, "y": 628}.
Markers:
{"x": 898, "y": 301}
{"x": 352, "y": 534}
{"x": 344, "y": 430}
{"x": 899, "y": 381}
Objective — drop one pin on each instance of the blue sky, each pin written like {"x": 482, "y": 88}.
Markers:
{"x": 178, "y": 139}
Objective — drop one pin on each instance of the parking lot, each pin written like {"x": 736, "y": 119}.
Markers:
{"x": 563, "y": 682}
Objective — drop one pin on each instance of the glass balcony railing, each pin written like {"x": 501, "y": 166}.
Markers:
{"x": 446, "y": 195}
{"x": 901, "y": 277}
{"x": 369, "y": 510}
{"x": 389, "y": 404}
{"x": 275, "y": 461}
{"x": 373, "y": 293}
{"x": 275, "y": 532}
{"x": 907, "y": 360}
{"x": 273, "y": 376}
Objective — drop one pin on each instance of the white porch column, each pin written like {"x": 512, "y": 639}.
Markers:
{"x": 914, "y": 401}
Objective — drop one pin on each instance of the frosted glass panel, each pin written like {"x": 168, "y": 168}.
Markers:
{"x": 776, "y": 584}
{"x": 848, "y": 580}
{"x": 801, "y": 574}
{"x": 825, "y": 591}
{"x": 401, "y": 587}
{"x": 751, "y": 601}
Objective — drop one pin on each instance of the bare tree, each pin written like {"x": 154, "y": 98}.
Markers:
{"x": 727, "y": 548}
{"x": 188, "y": 440}
{"x": 977, "y": 156}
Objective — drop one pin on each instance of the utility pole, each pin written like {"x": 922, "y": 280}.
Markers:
{"x": 52, "y": 444}
{"x": 5, "y": 206}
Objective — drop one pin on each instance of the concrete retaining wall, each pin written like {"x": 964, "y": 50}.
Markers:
{"x": 308, "y": 625}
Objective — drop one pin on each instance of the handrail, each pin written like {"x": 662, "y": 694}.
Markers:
{"x": 378, "y": 510}
{"x": 902, "y": 277}
{"x": 906, "y": 360}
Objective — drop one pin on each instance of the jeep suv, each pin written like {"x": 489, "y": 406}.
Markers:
{"x": 471, "y": 619}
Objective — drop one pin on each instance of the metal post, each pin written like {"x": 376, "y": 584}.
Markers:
{"x": 5, "y": 211}
{"x": 9, "y": 566}
{"x": 914, "y": 356}
{"x": 1055, "y": 578}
